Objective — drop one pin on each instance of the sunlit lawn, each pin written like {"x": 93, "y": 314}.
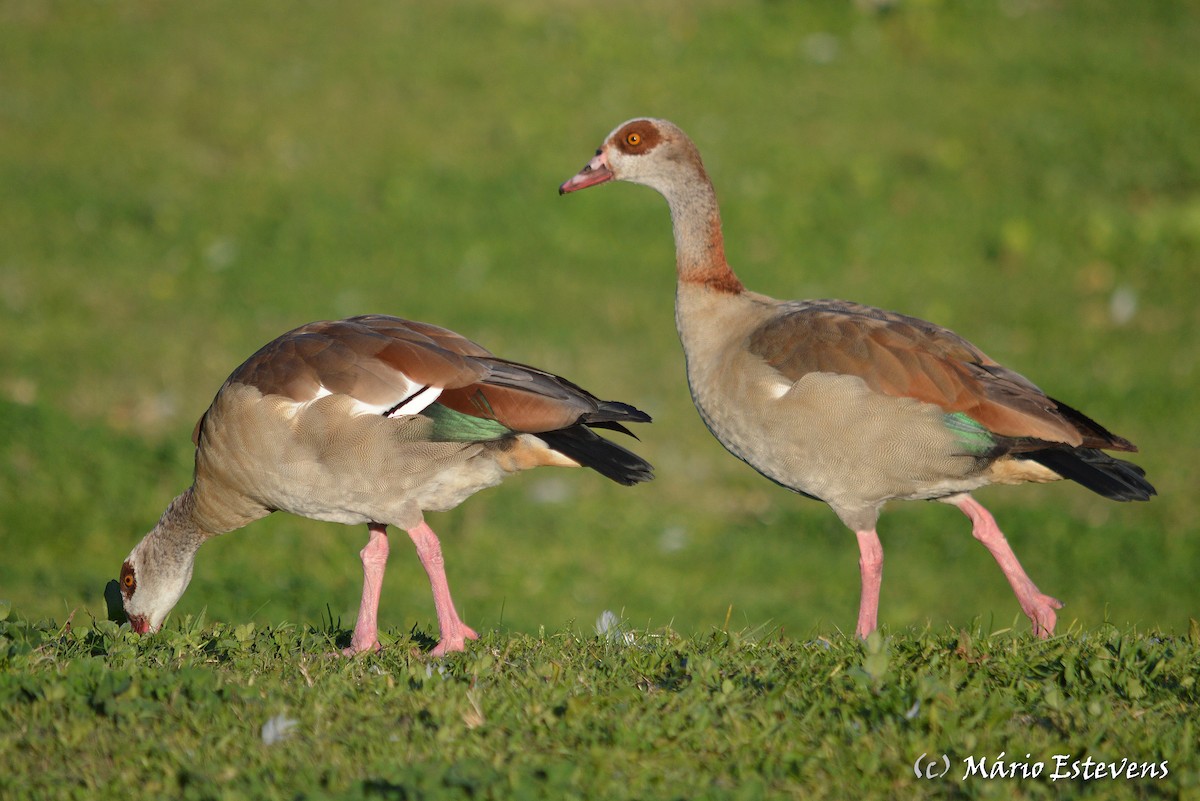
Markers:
{"x": 182, "y": 182}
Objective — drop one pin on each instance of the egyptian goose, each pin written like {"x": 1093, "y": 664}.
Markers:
{"x": 370, "y": 420}
{"x": 848, "y": 404}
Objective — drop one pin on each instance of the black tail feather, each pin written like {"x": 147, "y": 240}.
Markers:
{"x": 611, "y": 426}
{"x": 1094, "y": 434}
{"x": 604, "y": 456}
{"x": 1103, "y": 474}
{"x": 615, "y": 412}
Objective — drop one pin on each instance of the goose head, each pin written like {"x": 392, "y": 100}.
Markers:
{"x": 647, "y": 151}
{"x": 151, "y": 583}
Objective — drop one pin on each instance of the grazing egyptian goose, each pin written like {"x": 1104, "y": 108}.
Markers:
{"x": 370, "y": 420}
{"x": 848, "y": 404}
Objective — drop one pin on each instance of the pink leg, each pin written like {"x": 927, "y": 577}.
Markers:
{"x": 870, "y": 564}
{"x": 453, "y": 632}
{"x": 1038, "y": 608}
{"x": 374, "y": 559}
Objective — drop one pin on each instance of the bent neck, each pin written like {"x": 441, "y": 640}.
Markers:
{"x": 178, "y": 531}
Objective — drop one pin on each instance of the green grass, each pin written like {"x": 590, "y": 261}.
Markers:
{"x": 239, "y": 711}
{"x": 180, "y": 183}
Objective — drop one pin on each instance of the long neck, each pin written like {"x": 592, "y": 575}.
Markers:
{"x": 177, "y": 531}
{"x": 699, "y": 243}
{"x": 164, "y": 558}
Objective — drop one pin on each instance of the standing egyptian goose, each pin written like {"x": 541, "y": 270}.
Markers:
{"x": 370, "y": 420}
{"x": 848, "y": 404}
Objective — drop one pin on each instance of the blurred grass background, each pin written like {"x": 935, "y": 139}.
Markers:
{"x": 182, "y": 182}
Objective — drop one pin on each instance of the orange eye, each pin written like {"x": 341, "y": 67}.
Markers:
{"x": 128, "y": 580}
{"x": 633, "y": 138}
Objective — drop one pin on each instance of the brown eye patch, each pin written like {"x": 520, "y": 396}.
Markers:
{"x": 639, "y": 136}
{"x": 128, "y": 579}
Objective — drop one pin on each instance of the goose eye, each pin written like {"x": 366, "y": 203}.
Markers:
{"x": 128, "y": 580}
{"x": 633, "y": 138}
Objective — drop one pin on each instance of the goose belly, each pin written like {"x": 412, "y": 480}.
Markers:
{"x": 829, "y": 436}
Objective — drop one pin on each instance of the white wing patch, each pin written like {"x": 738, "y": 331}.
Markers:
{"x": 777, "y": 389}
{"x": 416, "y": 398}
{"x": 414, "y": 403}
